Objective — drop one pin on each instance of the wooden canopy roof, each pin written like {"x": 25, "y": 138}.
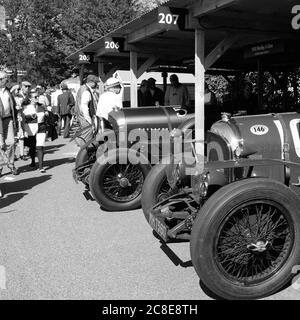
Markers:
{"x": 236, "y": 33}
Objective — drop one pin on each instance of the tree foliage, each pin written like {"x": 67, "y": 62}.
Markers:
{"x": 44, "y": 33}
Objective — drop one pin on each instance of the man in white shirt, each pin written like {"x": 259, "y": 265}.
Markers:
{"x": 85, "y": 107}
{"x": 8, "y": 116}
{"x": 111, "y": 99}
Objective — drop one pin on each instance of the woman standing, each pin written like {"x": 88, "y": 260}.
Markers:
{"x": 35, "y": 127}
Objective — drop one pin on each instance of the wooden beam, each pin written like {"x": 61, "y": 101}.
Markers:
{"x": 209, "y": 6}
{"x": 111, "y": 72}
{"x": 143, "y": 68}
{"x": 145, "y": 32}
{"x": 133, "y": 79}
{"x": 169, "y": 51}
{"x": 248, "y": 24}
{"x": 199, "y": 95}
{"x": 219, "y": 50}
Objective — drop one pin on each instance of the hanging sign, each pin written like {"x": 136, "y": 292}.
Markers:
{"x": 84, "y": 58}
{"x": 113, "y": 44}
{"x": 264, "y": 48}
{"x": 172, "y": 18}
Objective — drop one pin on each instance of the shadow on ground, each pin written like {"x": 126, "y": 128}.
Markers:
{"x": 12, "y": 191}
{"x": 48, "y": 164}
{"x": 54, "y": 148}
{"x": 9, "y": 199}
{"x": 174, "y": 258}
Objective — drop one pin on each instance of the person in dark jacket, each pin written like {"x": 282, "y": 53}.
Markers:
{"x": 65, "y": 103}
{"x": 85, "y": 109}
{"x": 157, "y": 95}
{"x": 144, "y": 95}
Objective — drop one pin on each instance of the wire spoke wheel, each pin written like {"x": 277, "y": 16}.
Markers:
{"x": 123, "y": 182}
{"x": 254, "y": 241}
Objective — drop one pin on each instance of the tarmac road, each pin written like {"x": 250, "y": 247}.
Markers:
{"x": 55, "y": 244}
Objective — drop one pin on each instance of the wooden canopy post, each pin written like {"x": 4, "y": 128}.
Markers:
{"x": 81, "y": 74}
{"x": 101, "y": 75}
{"x": 199, "y": 95}
{"x": 165, "y": 80}
{"x": 133, "y": 79}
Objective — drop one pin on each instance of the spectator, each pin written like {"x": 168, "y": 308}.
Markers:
{"x": 24, "y": 92}
{"x": 86, "y": 106}
{"x": 65, "y": 103}
{"x": 9, "y": 122}
{"x": 54, "y": 97}
{"x": 35, "y": 126}
{"x": 109, "y": 100}
{"x": 15, "y": 91}
{"x": 41, "y": 90}
{"x": 144, "y": 95}
{"x": 157, "y": 95}
{"x": 176, "y": 94}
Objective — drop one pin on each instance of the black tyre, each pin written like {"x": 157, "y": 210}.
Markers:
{"x": 245, "y": 239}
{"x": 85, "y": 154}
{"x": 155, "y": 188}
{"x": 82, "y": 155}
{"x": 115, "y": 186}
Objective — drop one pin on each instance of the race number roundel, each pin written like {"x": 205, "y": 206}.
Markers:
{"x": 259, "y": 129}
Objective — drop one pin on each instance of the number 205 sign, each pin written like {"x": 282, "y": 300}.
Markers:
{"x": 84, "y": 58}
{"x": 172, "y": 18}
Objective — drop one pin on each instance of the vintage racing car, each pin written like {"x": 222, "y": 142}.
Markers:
{"x": 242, "y": 212}
{"x": 116, "y": 186}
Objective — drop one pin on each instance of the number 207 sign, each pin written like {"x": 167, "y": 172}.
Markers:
{"x": 172, "y": 18}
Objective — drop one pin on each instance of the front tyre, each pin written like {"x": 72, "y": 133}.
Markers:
{"x": 118, "y": 186}
{"x": 245, "y": 239}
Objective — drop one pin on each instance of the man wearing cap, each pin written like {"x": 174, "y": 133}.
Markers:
{"x": 65, "y": 102}
{"x": 111, "y": 99}
{"x": 9, "y": 124}
{"x": 157, "y": 95}
{"x": 86, "y": 106}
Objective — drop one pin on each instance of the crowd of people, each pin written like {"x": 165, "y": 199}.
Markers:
{"x": 29, "y": 116}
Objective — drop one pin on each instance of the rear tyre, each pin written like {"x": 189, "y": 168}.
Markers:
{"x": 245, "y": 239}
{"x": 115, "y": 186}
